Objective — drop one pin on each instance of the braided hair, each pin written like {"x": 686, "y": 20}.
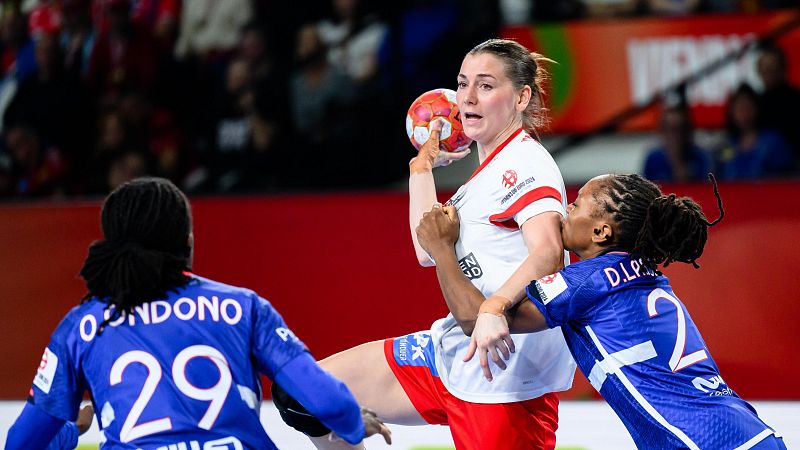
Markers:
{"x": 145, "y": 250}
{"x": 661, "y": 229}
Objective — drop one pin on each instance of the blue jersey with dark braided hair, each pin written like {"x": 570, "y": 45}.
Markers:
{"x": 182, "y": 372}
{"x": 637, "y": 344}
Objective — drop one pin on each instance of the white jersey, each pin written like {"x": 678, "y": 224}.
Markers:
{"x": 517, "y": 181}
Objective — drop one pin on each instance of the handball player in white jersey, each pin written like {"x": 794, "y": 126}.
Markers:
{"x": 510, "y": 211}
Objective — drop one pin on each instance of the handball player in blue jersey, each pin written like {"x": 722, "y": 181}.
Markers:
{"x": 628, "y": 331}
{"x": 171, "y": 360}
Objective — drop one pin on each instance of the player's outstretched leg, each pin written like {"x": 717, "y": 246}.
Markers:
{"x": 365, "y": 371}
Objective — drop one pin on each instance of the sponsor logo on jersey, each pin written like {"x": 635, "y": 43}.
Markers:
{"x": 509, "y": 179}
{"x": 226, "y": 443}
{"x": 469, "y": 265}
{"x": 712, "y": 386}
{"x": 415, "y": 350}
{"x": 517, "y": 189}
{"x": 47, "y": 370}
{"x": 456, "y": 198}
{"x": 285, "y": 334}
{"x": 551, "y": 287}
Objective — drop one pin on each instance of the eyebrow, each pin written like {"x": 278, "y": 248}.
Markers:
{"x": 480, "y": 75}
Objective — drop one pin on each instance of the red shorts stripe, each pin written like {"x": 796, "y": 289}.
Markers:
{"x": 529, "y": 424}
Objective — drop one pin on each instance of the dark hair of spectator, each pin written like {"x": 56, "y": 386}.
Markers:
{"x": 743, "y": 91}
{"x": 145, "y": 250}
{"x": 659, "y": 228}
{"x": 523, "y": 67}
{"x": 771, "y": 48}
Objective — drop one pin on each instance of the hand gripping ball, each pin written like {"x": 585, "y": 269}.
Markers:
{"x": 438, "y": 104}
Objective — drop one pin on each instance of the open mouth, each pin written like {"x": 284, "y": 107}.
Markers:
{"x": 472, "y": 116}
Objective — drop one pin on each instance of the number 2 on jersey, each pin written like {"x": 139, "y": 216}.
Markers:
{"x": 678, "y": 360}
{"x": 215, "y": 394}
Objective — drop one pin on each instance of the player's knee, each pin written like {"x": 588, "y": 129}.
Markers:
{"x": 295, "y": 415}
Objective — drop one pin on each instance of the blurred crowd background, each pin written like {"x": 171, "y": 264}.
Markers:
{"x": 263, "y": 96}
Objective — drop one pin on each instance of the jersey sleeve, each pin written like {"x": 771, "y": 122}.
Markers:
{"x": 561, "y": 298}
{"x": 57, "y": 386}
{"x": 534, "y": 187}
{"x": 274, "y": 344}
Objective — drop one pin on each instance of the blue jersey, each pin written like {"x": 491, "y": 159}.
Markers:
{"x": 182, "y": 372}
{"x": 637, "y": 344}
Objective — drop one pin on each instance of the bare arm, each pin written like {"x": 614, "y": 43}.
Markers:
{"x": 437, "y": 233}
{"x": 421, "y": 197}
{"x": 422, "y": 188}
{"x": 542, "y": 234}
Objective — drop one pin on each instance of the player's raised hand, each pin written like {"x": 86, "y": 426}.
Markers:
{"x": 438, "y": 229}
{"x": 431, "y": 155}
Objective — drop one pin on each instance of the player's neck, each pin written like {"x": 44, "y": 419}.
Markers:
{"x": 486, "y": 149}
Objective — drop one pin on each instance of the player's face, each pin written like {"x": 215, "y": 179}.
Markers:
{"x": 579, "y": 232}
{"x": 489, "y": 104}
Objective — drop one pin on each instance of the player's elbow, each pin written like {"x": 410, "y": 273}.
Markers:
{"x": 551, "y": 256}
{"x": 424, "y": 259}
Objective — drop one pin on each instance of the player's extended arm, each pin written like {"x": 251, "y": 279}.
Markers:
{"x": 542, "y": 234}
{"x": 421, "y": 186}
{"x": 437, "y": 233}
{"x": 323, "y": 396}
{"x": 35, "y": 429}
{"x": 491, "y": 335}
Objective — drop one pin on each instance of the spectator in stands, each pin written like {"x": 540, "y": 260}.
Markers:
{"x": 52, "y": 102}
{"x": 677, "y": 157}
{"x": 672, "y": 7}
{"x": 318, "y": 89}
{"x": 352, "y": 37}
{"x": 321, "y": 98}
{"x": 123, "y": 58}
{"x": 16, "y": 49}
{"x": 125, "y": 167}
{"x": 160, "y": 17}
{"x": 77, "y": 36}
{"x": 779, "y": 100}
{"x": 152, "y": 128}
{"x": 211, "y": 29}
{"x": 751, "y": 151}
{"x": 410, "y": 57}
{"x": 604, "y": 9}
{"x": 35, "y": 169}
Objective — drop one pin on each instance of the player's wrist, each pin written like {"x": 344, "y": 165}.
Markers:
{"x": 496, "y": 305}
{"x": 420, "y": 164}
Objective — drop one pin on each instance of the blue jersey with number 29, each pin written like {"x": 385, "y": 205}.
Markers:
{"x": 637, "y": 344}
{"x": 182, "y": 372}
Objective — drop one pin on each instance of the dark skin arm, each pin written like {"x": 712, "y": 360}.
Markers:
{"x": 437, "y": 233}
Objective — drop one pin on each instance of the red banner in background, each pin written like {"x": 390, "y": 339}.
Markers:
{"x": 606, "y": 67}
{"x": 342, "y": 271}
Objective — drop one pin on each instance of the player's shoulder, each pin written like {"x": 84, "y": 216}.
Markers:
{"x": 202, "y": 285}
{"x": 529, "y": 155}
{"x": 582, "y": 270}
{"x": 526, "y": 146}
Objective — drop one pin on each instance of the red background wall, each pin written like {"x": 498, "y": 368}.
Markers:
{"x": 341, "y": 270}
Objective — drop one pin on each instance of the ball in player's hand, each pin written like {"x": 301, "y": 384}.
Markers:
{"x": 438, "y": 104}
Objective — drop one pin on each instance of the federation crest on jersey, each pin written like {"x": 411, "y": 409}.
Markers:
{"x": 551, "y": 287}
{"x": 46, "y": 371}
{"x": 510, "y": 178}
